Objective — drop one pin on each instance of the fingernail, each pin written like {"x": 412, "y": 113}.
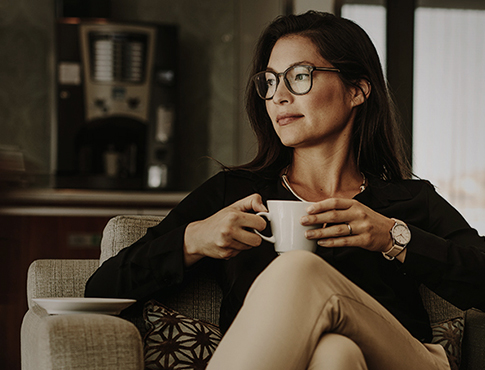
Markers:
{"x": 322, "y": 243}
{"x": 309, "y": 234}
{"x": 304, "y": 220}
{"x": 310, "y": 209}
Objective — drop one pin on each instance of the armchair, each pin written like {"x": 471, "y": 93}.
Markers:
{"x": 100, "y": 342}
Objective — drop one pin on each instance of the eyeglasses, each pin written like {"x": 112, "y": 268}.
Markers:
{"x": 298, "y": 79}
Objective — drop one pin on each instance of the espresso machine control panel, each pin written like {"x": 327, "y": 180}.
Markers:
{"x": 117, "y": 66}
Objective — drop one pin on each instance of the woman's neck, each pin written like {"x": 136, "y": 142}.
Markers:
{"x": 315, "y": 177}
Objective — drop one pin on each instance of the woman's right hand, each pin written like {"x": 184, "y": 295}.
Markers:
{"x": 226, "y": 233}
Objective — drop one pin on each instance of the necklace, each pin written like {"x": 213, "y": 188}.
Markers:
{"x": 286, "y": 181}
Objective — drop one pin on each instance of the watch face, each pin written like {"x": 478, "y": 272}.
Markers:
{"x": 401, "y": 234}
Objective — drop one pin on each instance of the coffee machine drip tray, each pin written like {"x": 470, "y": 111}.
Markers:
{"x": 109, "y": 155}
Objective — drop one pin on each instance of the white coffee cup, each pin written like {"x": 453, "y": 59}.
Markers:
{"x": 288, "y": 232}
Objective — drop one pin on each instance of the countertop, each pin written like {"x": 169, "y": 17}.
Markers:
{"x": 72, "y": 202}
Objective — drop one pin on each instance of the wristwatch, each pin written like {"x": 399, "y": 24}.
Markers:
{"x": 401, "y": 236}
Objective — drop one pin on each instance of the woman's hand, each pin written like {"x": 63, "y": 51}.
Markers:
{"x": 370, "y": 230}
{"x": 226, "y": 233}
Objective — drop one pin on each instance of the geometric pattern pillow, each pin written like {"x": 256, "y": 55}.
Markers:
{"x": 449, "y": 334}
{"x": 176, "y": 342}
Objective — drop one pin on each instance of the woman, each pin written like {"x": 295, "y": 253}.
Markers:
{"x": 320, "y": 108}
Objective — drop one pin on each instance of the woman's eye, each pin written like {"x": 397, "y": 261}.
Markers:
{"x": 270, "y": 82}
{"x": 302, "y": 77}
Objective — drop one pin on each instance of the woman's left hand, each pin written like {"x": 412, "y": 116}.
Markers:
{"x": 348, "y": 223}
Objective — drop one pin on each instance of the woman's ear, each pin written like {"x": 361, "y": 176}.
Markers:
{"x": 360, "y": 92}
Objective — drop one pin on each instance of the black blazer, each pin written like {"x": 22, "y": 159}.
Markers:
{"x": 445, "y": 253}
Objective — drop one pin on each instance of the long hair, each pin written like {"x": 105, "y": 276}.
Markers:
{"x": 377, "y": 140}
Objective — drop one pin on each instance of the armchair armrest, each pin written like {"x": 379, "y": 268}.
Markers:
{"x": 74, "y": 342}
{"x": 473, "y": 346}
{"x": 79, "y": 342}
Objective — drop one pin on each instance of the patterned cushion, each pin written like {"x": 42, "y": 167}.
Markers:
{"x": 449, "y": 334}
{"x": 176, "y": 342}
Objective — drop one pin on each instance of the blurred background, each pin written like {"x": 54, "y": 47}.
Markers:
{"x": 114, "y": 107}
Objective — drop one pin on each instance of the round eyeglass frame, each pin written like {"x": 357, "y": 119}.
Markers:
{"x": 287, "y": 83}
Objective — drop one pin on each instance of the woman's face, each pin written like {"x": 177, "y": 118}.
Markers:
{"x": 323, "y": 115}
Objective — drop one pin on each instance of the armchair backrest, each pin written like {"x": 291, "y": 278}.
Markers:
{"x": 438, "y": 308}
{"x": 122, "y": 231}
{"x": 200, "y": 299}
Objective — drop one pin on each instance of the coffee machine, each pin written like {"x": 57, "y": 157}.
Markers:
{"x": 116, "y": 105}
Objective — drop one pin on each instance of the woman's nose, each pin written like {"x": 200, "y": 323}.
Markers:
{"x": 282, "y": 94}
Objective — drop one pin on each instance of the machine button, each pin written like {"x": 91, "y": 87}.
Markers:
{"x": 133, "y": 103}
{"x": 101, "y": 104}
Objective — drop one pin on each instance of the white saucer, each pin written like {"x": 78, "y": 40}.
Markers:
{"x": 65, "y": 306}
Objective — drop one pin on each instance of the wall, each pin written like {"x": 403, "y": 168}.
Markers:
{"x": 217, "y": 39}
{"x": 26, "y": 78}
{"x": 301, "y": 6}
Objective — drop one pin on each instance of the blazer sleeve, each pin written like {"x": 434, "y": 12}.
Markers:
{"x": 154, "y": 265}
{"x": 448, "y": 255}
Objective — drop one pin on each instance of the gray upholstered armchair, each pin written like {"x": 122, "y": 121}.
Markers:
{"x": 95, "y": 342}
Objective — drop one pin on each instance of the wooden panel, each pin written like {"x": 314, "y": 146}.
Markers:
{"x": 12, "y": 302}
{"x": 24, "y": 239}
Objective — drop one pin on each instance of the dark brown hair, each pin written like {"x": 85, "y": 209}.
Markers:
{"x": 376, "y": 138}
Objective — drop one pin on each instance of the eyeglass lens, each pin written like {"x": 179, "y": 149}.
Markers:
{"x": 298, "y": 79}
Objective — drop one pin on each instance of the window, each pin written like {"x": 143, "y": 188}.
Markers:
{"x": 449, "y": 108}
{"x": 448, "y": 116}
{"x": 372, "y": 18}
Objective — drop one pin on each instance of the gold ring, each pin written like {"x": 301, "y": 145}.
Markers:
{"x": 350, "y": 229}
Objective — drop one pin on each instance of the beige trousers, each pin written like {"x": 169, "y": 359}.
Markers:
{"x": 301, "y": 314}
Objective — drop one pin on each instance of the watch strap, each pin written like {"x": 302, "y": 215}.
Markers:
{"x": 393, "y": 252}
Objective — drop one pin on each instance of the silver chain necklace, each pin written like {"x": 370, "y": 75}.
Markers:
{"x": 286, "y": 181}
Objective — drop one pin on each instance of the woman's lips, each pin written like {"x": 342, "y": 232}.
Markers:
{"x": 285, "y": 119}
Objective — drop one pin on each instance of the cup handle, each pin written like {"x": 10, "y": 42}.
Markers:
{"x": 271, "y": 238}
